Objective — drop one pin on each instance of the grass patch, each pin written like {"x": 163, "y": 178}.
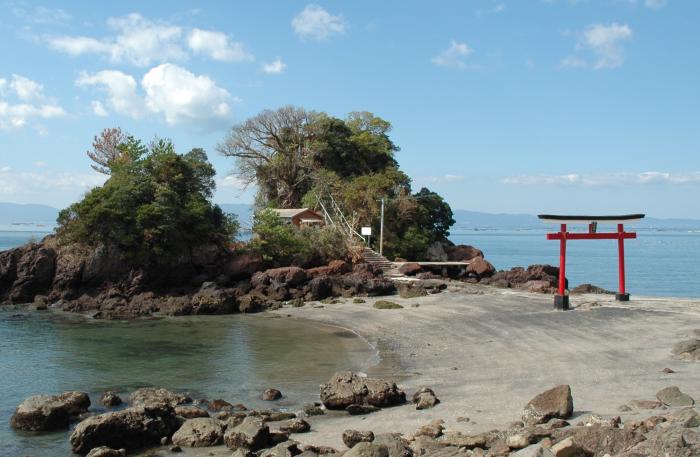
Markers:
{"x": 357, "y": 301}
{"x": 297, "y": 302}
{"x": 330, "y": 301}
{"x": 385, "y": 304}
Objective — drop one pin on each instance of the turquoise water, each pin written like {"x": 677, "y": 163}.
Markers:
{"x": 658, "y": 263}
{"x": 229, "y": 357}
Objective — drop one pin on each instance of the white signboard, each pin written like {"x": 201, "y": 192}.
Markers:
{"x": 366, "y": 231}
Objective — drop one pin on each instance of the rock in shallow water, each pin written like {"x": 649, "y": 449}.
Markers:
{"x": 271, "y": 395}
{"x": 154, "y": 395}
{"x": 131, "y": 428}
{"x": 49, "y": 412}
{"x": 110, "y": 399}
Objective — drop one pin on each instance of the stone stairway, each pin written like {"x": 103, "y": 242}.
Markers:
{"x": 388, "y": 268}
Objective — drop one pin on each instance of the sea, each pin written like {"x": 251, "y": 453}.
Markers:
{"x": 661, "y": 263}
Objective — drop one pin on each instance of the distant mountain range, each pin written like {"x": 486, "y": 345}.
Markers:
{"x": 13, "y": 214}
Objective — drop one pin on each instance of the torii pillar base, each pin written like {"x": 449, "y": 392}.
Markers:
{"x": 561, "y": 302}
{"x": 622, "y": 297}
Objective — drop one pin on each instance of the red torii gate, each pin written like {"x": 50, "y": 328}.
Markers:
{"x": 561, "y": 300}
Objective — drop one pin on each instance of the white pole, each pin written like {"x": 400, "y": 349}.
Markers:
{"x": 381, "y": 231}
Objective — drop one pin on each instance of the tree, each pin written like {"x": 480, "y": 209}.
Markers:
{"x": 272, "y": 150}
{"x": 155, "y": 206}
{"x": 106, "y": 149}
{"x": 295, "y": 156}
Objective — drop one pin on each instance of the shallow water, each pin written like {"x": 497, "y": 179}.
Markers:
{"x": 229, "y": 357}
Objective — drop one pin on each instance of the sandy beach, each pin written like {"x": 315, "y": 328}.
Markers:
{"x": 487, "y": 351}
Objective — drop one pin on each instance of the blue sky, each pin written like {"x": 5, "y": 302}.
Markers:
{"x": 501, "y": 106}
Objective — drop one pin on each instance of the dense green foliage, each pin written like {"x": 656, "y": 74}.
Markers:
{"x": 280, "y": 243}
{"x": 155, "y": 204}
{"x": 294, "y": 155}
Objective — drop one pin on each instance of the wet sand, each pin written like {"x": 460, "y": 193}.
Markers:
{"x": 487, "y": 351}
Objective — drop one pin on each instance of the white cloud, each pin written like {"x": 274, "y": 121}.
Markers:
{"x": 121, "y": 89}
{"x": 316, "y": 23}
{"x": 573, "y": 62}
{"x": 29, "y": 102}
{"x": 40, "y": 14}
{"x": 651, "y": 4}
{"x": 183, "y": 97}
{"x": 138, "y": 41}
{"x": 655, "y": 4}
{"x": 217, "y": 46}
{"x": 453, "y": 57}
{"x": 26, "y": 89}
{"x": 78, "y": 45}
{"x": 605, "y": 43}
{"x": 142, "y": 42}
{"x": 605, "y": 179}
{"x": 40, "y": 164}
{"x": 99, "y": 109}
{"x": 231, "y": 182}
{"x": 179, "y": 95}
{"x": 37, "y": 186}
{"x": 275, "y": 67}
{"x": 448, "y": 178}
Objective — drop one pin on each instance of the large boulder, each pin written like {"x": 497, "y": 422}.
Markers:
{"x": 365, "y": 449}
{"x": 365, "y": 280}
{"x": 212, "y": 300}
{"x": 251, "y": 434}
{"x": 425, "y": 398}
{"x": 285, "y": 276}
{"x": 553, "y": 403}
{"x": 243, "y": 265}
{"x": 347, "y": 388}
{"x": 463, "y": 253}
{"x": 672, "y": 396}
{"x": 480, "y": 268}
{"x": 131, "y": 428}
{"x": 396, "y": 445}
{"x": 34, "y": 274}
{"x": 334, "y": 268}
{"x": 687, "y": 350}
{"x": 49, "y": 412}
{"x": 544, "y": 278}
{"x": 157, "y": 395}
{"x": 410, "y": 269}
{"x": 352, "y": 437}
{"x": 105, "y": 451}
{"x": 199, "y": 432}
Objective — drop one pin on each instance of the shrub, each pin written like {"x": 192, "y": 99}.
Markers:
{"x": 280, "y": 243}
{"x": 385, "y": 304}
